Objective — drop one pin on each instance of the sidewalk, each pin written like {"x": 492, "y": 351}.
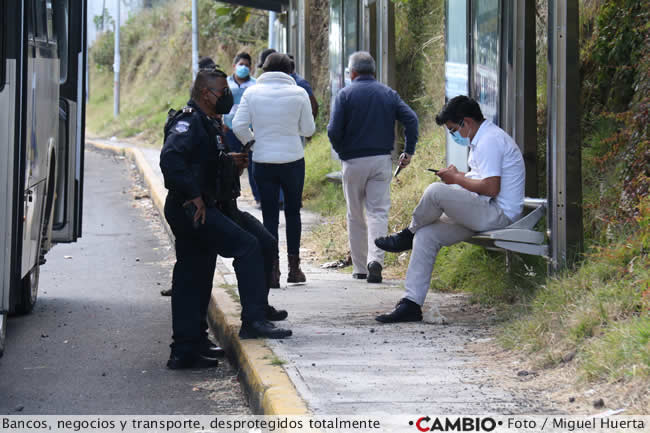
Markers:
{"x": 339, "y": 359}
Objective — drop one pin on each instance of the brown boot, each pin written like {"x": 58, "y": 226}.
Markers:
{"x": 295, "y": 273}
{"x": 275, "y": 274}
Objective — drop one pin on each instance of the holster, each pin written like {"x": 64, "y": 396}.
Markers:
{"x": 227, "y": 174}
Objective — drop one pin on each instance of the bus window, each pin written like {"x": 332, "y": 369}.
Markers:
{"x": 41, "y": 20}
{"x": 29, "y": 15}
{"x": 48, "y": 21}
{"x": 61, "y": 35}
{"x": 3, "y": 38}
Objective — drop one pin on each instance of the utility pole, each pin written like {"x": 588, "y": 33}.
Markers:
{"x": 195, "y": 40}
{"x": 116, "y": 65}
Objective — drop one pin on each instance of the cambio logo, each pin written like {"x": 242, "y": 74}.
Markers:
{"x": 426, "y": 424}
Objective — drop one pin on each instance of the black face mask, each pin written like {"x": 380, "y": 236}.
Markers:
{"x": 225, "y": 103}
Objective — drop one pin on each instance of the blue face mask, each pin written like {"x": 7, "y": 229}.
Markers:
{"x": 459, "y": 139}
{"x": 242, "y": 71}
{"x": 463, "y": 141}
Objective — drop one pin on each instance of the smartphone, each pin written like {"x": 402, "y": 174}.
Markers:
{"x": 190, "y": 210}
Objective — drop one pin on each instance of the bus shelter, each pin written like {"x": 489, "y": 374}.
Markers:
{"x": 490, "y": 56}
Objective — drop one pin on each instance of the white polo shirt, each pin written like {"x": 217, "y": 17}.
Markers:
{"x": 494, "y": 153}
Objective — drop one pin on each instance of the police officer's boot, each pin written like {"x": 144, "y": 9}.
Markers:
{"x": 275, "y": 274}
{"x": 295, "y": 273}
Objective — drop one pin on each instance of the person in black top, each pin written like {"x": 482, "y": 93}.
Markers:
{"x": 202, "y": 177}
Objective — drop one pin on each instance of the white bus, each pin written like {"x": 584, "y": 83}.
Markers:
{"x": 42, "y": 114}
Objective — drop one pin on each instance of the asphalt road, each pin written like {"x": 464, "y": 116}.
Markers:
{"x": 98, "y": 339}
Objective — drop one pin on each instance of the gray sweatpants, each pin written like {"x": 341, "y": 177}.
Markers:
{"x": 366, "y": 184}
{"x": 445, "y": 215}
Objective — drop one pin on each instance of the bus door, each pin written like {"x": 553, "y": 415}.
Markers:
{"x": 41, "y": 93}
{"x": 70, "y": 21}
{"x": 11, "y": 98}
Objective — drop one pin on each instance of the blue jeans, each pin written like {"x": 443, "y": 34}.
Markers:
{"x": 290, "y": 178}
{"x": 236, "y": 146}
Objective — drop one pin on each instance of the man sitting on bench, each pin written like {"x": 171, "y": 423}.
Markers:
{"x": 490, "y": 196}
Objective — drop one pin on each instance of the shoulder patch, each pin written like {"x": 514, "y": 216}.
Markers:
{"x": 181, "y": 126}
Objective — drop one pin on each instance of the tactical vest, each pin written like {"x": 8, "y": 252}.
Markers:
{"x": 227, "y": 186}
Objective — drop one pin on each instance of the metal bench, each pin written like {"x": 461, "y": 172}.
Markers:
{"x": 518, "y": 236}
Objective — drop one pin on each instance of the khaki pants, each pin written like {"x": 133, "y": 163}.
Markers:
{"x": 445, "y": 215}
{"x": 366, "y": 186}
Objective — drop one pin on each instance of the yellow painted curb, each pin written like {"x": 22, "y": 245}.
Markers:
{"x": 268, "y": 387}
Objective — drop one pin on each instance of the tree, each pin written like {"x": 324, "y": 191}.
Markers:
{"x": 103, "y": 21}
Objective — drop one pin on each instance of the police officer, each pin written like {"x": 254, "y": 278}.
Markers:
{"x": 203, "y": 182}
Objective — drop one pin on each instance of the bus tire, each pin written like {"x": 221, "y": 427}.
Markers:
{"x": 3, "y": 332}
{"x": 28, "y": 291}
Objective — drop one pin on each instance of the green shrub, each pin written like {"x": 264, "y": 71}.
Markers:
{"x": 103, "y": 50}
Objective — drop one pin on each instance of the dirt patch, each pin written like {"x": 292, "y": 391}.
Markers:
{"x": 558, "y": 387}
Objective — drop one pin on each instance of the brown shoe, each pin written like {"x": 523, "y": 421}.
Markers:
{"x": 295, "y": 273}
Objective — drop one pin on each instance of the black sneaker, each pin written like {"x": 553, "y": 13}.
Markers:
{"x": 177, "y": 362}
{"x": 211, "y": 350}
{"x": 405, "y": 311}
{"x": 359, "y": 276}
{"x": 397, "y": 242}
{"x": 374, "y": 272}
{"x": 262, "y": 329}
{"x": 275, "y": 315}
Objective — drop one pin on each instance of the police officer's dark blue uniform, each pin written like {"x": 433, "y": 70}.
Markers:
{"x": 193, "y": 168}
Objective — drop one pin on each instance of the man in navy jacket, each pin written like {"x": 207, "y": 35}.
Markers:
{"x": 362, "y": 132}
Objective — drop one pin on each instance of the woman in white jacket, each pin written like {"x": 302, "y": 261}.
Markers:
{"x": 280, "y": 113}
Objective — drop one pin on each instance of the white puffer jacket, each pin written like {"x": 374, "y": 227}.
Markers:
{"x": 280, "y": 113}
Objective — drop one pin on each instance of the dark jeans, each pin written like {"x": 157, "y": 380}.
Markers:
{"x": 290, "y": 178}
{"x": 253, "y": 249}
{"x": 204, "y": 305}
{"x": 236, "y": 146}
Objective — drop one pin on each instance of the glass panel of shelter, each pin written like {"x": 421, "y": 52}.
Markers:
{"x": 486, "y": 56}
{"x": 456, "y": 70}
{"x": 336, "y": 47}
{"x": 472, "y": 71}
{"x": 350, "y": 34}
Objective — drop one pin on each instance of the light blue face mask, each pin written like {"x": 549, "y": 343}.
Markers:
{"x": 463, "y": 141}
{"x": 242, "y": 71}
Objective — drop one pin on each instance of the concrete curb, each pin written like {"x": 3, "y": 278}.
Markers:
{"x": 268, "y": 387}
